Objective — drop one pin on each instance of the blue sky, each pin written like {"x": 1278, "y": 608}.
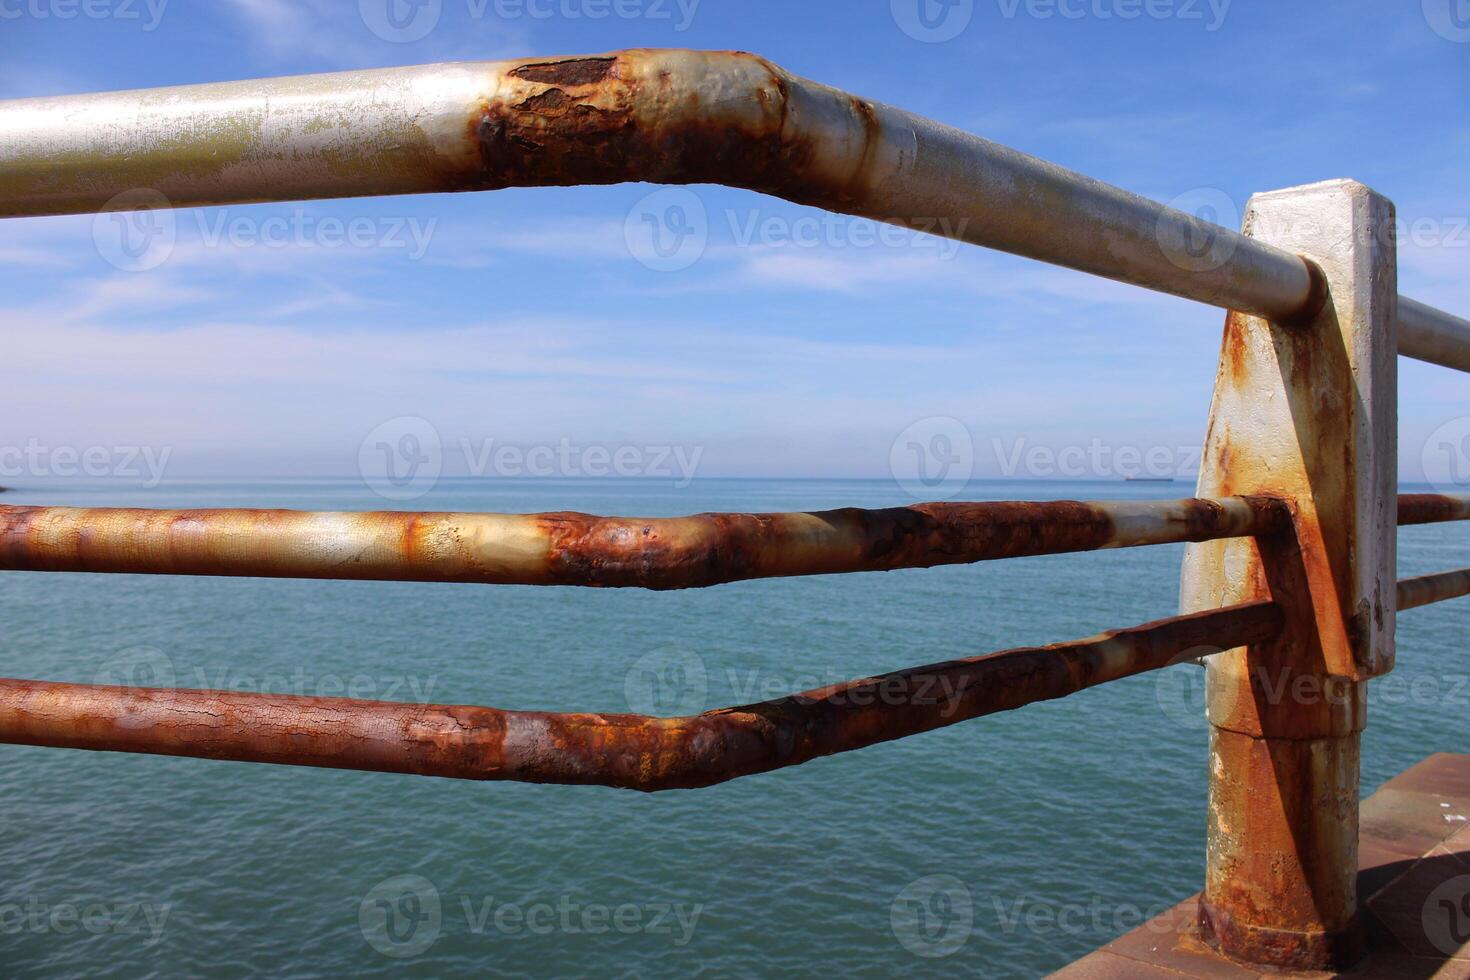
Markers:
{"x": 524, "y": 317}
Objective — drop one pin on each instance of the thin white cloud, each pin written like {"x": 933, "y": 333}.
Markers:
{"x": 299, "y": 27}
{"x": 333, "y": 32}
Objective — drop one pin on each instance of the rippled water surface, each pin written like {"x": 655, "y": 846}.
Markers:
{"x": 1013, "y": 844}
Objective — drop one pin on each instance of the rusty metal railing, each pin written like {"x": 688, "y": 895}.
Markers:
{"x": 627, "y": 751}
{"x": 664, "y": 116}
{"x": 1291, "y": 563}
{"x": 624, "y": 751}
{"x": 578, "y": 549}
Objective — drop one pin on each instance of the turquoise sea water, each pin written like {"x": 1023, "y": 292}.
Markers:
{"x": 1006, "y": 846}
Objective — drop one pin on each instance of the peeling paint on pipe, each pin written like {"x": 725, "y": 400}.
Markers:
{"x": 625, "y": 751}
{"x": 578, "y": 549}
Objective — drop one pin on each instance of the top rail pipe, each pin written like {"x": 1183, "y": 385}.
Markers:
{"x": 580, "y": 549}
{"x": 640, "y": 115}
{"x": 677, "y": 117}
{"x": 1428, "y": 334}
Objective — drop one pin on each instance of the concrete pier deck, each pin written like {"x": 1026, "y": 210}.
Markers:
{"x": 1413, "y": 886}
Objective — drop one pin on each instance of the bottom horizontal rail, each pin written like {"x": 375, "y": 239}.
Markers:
{"x": 1416, "y": 592}
{"x": 627, "y": 751}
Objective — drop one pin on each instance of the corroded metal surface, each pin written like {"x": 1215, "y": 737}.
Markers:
{"x": 627, "y": 751}
{"x": 1429, "y": 589}
{"x": 1274, "y": 874}
{"x": 1309, "y": 415}
{"x": 579, "y": 549}
{"x": 640, "y": 115}
{"x": 1306, "y": 413}
{"x": 1433, "y": 508}
{"x": 675, "y": 117}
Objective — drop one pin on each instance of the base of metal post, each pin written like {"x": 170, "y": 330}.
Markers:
{"x": 1281, "y": 881}
{"x": 1260, "y": 946}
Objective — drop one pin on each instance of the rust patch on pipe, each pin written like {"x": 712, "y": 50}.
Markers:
{"x": 621, "y": 118}
{"x": 585, "y": 550}
{"x": 625, "y": 751}
{"x": 574, "y": 71}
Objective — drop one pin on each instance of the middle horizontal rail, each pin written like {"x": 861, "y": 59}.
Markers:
{"x": 579, "y": 549}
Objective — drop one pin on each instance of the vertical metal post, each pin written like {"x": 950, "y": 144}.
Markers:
{"x": 1306, "y": 412}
